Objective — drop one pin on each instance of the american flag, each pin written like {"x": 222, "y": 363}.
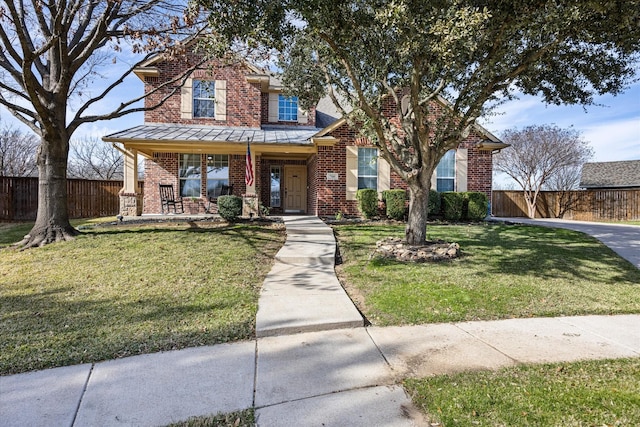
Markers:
{"x": 248, "y": 174}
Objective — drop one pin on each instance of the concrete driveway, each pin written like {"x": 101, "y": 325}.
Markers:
{"x": 623, "y": 239}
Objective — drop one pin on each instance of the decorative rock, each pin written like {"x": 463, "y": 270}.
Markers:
{"x": 393, "y": 247}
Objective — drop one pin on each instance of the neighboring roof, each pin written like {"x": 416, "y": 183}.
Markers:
{"x": 191, "y": 133}
{"x": 625, "y": 174}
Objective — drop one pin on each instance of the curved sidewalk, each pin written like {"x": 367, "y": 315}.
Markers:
{"x": 325, "y": 370}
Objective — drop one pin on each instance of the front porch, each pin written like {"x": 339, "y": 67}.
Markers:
{"x": 198, "y": 160}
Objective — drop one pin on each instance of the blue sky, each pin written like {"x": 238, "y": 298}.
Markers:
{"x": 612, "y": 126}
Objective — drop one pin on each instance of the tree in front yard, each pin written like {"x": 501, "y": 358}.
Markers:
{"x": 542, "y": 156}
{"x": 443, "y": 64}
{"x": 51, "y": 54}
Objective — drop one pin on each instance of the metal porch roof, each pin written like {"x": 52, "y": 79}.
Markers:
{"x": 159, "y": 132}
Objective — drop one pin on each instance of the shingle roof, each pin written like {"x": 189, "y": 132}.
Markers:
{"x": 625, "y": 174}
{"x": 184, "y": 133}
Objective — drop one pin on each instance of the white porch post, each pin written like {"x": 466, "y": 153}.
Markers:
{"x": 130, "y": 171}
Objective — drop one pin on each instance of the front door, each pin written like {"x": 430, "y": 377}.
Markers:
{"x": 295, "y": 189}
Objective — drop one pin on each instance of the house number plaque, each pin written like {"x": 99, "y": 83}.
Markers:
{"x": 332, "y": 176}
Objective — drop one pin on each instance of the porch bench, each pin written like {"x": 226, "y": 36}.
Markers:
{"x": 168, "y": 199}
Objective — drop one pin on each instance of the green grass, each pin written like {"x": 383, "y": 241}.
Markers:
{"x": 235, "y": 419}
{"x": 593, "y": 393}
{"x": 506, "y": 271}
{"x": 122, "y": 290}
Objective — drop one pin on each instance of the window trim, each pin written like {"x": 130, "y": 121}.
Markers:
{"x": 287, "y": 108}
{"x": 448, "y": 177}
{"x": 211, "y": 91}
{"x": 377, "y": 167}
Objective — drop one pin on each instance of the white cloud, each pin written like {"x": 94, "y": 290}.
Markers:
{"x": 615, "y": 140}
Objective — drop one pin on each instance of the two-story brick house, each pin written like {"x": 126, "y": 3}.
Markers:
{"x": 307, "y": 162}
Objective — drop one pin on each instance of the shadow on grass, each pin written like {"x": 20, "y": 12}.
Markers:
{"x": 50, "y": 329}
{"x": 517, "y": 250}
{"x": 246, "y": 232}
{"x": 547, "y": 253}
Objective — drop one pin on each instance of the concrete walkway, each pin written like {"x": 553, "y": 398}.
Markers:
{"x": 301, "y": 292}
{"x": 309, "y": 367}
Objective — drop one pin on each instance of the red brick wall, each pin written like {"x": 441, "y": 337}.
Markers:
{"x": 312, "y": 181}
{"x": 480, "y": 166}
{"x": 246, "y": 105}
{"x": 162, "y": 170}
{"x": 243, "y": 98}
{"x": 331, "y": 195}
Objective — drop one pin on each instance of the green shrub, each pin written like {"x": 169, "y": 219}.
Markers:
{"x": 367, "y": 202}
{"x": 434, "y": 203}
{"x": 477, "y": 204}
{"x": 230, "y": 207}
{"x": 452, "y": 205}
{"x": 396, "y": 203}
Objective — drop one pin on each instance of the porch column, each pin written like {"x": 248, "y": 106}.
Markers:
{"x": 130, "y": 171}
{"x": 130, "y": 197}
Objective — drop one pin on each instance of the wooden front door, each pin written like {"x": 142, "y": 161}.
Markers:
{"x": 295, "y": 189}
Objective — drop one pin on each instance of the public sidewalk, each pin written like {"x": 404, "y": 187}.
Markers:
{"x": 310, "y": 366}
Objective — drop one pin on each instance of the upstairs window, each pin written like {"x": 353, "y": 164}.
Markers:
{"x": 446, "y": 172}
{"x": 367, "y": 168}
{"x": 287, "y": 108}
{"x": 204, "y": 98}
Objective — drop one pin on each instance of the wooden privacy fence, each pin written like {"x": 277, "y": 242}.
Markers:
{"x": 581, "y": 205}
{"x": 86, "y": 198}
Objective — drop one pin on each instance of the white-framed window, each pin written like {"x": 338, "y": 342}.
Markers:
{"x": 446, "y": 172}
{"x": 367, "y": 168}
{"x": 276, "y": 177}
{"x": 287, "y": 108}
{"x": 190, "y": 173}
{"x": 217, "y": 174}
{"x": 204, "y": 98}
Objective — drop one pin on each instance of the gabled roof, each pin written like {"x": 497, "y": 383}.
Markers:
{"x": 623, "y": 174}
{"x": 332, "y": 120}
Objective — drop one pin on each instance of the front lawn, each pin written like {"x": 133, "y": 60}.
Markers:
{"x": 592, "y": 393}
{"x": 505, "y": 271}
{"x": 122, "y": 290}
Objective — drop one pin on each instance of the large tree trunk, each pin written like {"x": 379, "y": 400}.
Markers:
{"x": 52, "y": 220}
{"x": 416, "y": 229}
